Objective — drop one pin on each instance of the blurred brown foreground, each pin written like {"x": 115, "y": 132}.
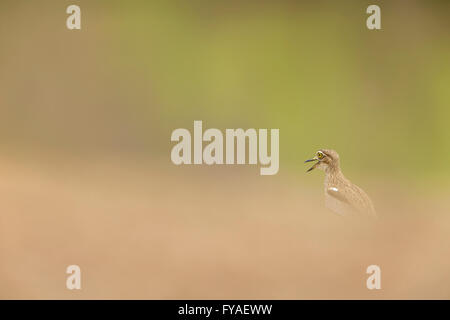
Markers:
{"x": 146, "y": 231}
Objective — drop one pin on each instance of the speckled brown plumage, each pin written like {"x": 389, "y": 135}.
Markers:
{"x": 341, "y": 195}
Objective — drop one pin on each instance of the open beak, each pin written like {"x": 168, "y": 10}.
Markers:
{"x": 315, "y": 164}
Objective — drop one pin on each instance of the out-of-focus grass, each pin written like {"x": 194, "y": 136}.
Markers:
{"x": 85, "y": 123}
{"x": 139, "y": 69}
{"x": 142, "y": 232}
{"x": 314, "y": 71}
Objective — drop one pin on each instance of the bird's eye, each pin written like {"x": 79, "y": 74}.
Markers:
{"x": 320, "y": 155}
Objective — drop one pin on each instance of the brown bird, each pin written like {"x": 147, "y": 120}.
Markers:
{"x": 341, "y": 196}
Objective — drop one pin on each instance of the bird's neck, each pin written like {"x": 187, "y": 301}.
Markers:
{"x": 333, "y": 173}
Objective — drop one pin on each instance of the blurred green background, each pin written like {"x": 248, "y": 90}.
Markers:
{"x": 139, "y": 69}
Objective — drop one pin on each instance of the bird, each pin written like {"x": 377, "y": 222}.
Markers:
{"x": 341, "y": 195}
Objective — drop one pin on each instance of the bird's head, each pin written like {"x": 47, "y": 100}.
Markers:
{"x": 326, "y": 160}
